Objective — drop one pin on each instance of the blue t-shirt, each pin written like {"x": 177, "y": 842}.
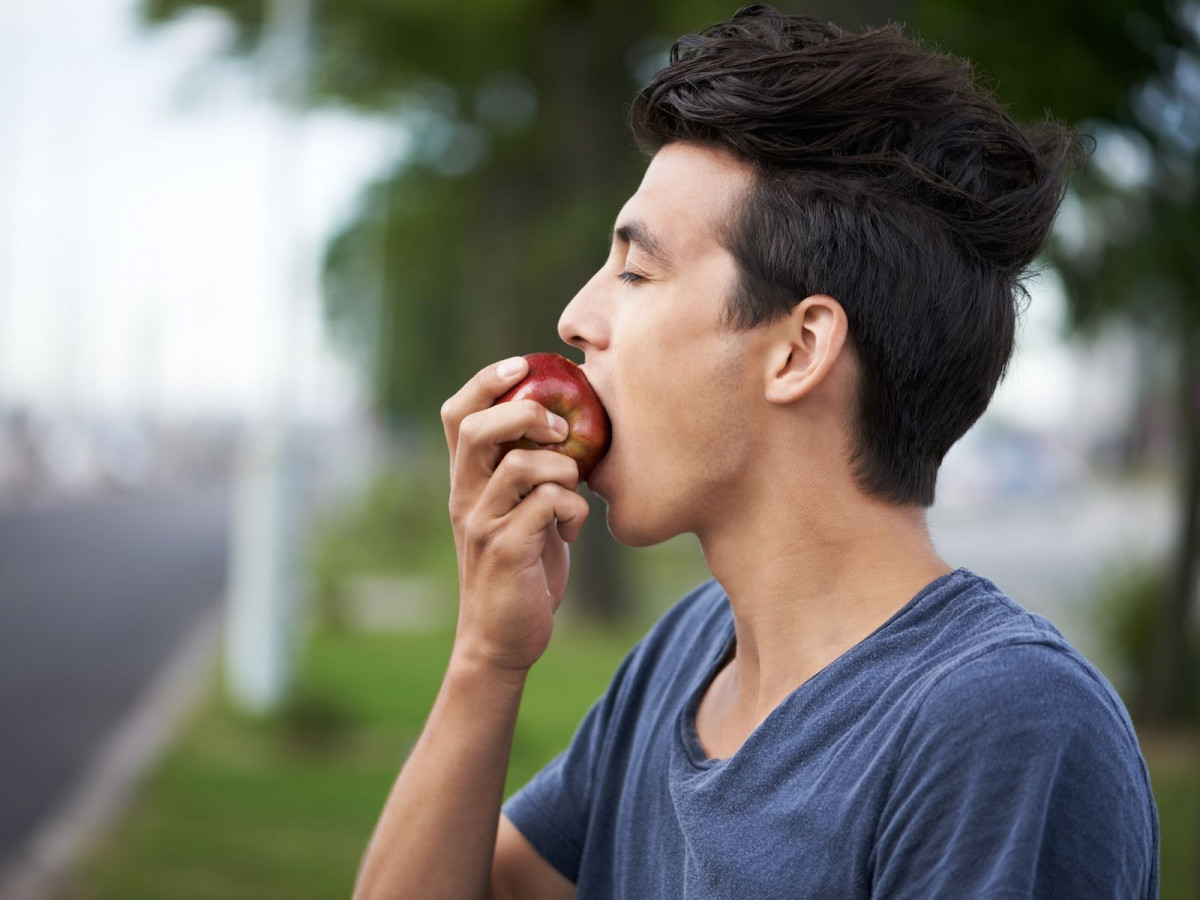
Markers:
{"x": 964, "y": 749}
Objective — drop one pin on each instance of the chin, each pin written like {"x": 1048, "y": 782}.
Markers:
{"x": 637, "y": 516}
{"x": 632, "y": 526}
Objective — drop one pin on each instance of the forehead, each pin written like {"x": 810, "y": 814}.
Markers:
{"x": 687, "y": 196}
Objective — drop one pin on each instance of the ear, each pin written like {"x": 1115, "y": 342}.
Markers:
{"x": 802, "y": 353}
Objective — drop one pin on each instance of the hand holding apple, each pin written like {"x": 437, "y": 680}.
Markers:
{"x": 513, "y": 515}
{"x": 562, "y": 387}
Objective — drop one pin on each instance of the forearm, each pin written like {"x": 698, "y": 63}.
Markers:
{"x": 437, "y": 833}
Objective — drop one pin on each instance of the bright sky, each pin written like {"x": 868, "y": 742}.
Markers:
{"x": 139, "y": 235}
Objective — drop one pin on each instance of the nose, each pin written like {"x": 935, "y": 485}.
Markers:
{"x": 583, "y": 322}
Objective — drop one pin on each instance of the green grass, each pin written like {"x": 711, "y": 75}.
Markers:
{"x": 283, "y": 808}
{"x": 1175, "y": 778}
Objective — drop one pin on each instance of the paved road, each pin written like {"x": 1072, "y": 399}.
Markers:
{"x": 93, "y": 598}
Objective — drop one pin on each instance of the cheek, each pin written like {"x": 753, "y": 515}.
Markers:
{"x": 672, "y": 374}
{"x": 675, "y": 416}
{"x": 656, "y": 381}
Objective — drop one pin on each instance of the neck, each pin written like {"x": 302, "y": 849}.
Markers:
{"x": 809, "y": 575}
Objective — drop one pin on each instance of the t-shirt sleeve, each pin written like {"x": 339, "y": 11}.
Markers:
{"x": 1020, "y": 776}
{"x": 553, "y": 808}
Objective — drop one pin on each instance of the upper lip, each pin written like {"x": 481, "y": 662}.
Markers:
{"x": 595, "y": 387}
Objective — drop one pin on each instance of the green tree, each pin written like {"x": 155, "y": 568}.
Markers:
{"x": 1129, "y": 74}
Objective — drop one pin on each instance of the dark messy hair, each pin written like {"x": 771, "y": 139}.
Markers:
{"x": 888, "y": 179}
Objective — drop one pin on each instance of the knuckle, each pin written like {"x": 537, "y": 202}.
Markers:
{"x": 534, "y": 411}
{"x": 447, "y": 411}
{"x": 517, "y": 464}
{"x": 571, "y": 468}
{"x": 546, "y": 492}
{"x": 468, "y": 429}
{"x": 572, "y": 511}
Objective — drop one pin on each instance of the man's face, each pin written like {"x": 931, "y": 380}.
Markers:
{"x": 677, "y": 385}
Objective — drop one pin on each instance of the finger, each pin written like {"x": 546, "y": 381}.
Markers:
{"x": 479, "y": 439}
{"x": 479, "y": 393}
{"x": 547, "y": 503}
{"x": 556, "y": 562}
{"x": 519, "y": 473}
{"x": 481, "y": 434}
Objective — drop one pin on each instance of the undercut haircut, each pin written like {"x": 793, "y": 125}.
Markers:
{"x": 888, "y": 179}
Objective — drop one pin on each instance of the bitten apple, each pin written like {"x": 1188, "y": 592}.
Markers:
{"x": 562, "y": 387}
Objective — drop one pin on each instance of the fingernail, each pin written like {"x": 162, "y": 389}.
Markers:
{"x": 558, "y": 423}
{"x": 510, "y": 366}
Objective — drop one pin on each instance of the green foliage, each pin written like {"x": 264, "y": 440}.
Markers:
{"x": 1129, "y": 604}
{"x": 1095, "y": 65}
{"x": 399, "y": 526}
{"x": 1074, "y": 59}
{"x": 1175, "y": 780}
{"x": 1126, "y": 620}
{"x": 392, "y": 298}
{"x": 1140, "y": 262}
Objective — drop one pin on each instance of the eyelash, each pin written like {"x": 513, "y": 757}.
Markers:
{"x": 631, "y": 277}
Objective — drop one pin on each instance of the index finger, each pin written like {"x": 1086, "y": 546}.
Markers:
{"x": 480, "y": 392}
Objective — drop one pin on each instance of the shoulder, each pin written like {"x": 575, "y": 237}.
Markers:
{"x": 1029, "y": 721}
{"x": 1020, "y": 753}
{"x": 1022, "y": 685}
{"x": 1030, "y": 672}
{"x": 972, "y": 645}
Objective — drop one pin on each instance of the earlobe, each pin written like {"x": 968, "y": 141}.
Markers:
{"x": 809, "y": 341}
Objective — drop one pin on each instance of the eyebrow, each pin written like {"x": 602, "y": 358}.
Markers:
{"x": 637, "y": 233}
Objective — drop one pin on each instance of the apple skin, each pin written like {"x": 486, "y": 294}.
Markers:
{"x": 562, "y": 387}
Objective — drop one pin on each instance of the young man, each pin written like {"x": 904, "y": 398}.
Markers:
{"x": 809, "y": 299}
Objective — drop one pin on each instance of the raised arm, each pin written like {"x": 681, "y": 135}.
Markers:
{"x": 512, "y": 519}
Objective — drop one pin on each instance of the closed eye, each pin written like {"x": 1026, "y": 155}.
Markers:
{"x": 631, "y": 277}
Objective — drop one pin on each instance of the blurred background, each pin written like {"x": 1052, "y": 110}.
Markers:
{"x": 249, "y": 247}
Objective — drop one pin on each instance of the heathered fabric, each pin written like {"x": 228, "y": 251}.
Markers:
{"x": 963, "y": 750}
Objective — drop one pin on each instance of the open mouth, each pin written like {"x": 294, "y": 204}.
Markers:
{"x": 592, "y": 476}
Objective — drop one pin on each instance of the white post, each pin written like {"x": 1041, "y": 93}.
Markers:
{"x": 12, "y": 80}
{"x": 264, "y": 584}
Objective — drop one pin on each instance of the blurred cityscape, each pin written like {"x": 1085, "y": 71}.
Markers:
{"x": 45, "y": 461}
{"x": 49, "y": 461}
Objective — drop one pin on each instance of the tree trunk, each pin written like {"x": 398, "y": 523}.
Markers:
{"x": 1173, "y": 688}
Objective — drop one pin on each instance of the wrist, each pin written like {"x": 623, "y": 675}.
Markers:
{"x": 472, "y": 663}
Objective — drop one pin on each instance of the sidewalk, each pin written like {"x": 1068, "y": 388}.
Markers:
{"x": 40, "y": 870}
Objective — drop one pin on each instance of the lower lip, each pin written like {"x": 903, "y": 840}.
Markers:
{"x": 594, "y": 476}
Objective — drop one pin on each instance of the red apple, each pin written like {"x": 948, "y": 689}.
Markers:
{"x": 562, "y": 387}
